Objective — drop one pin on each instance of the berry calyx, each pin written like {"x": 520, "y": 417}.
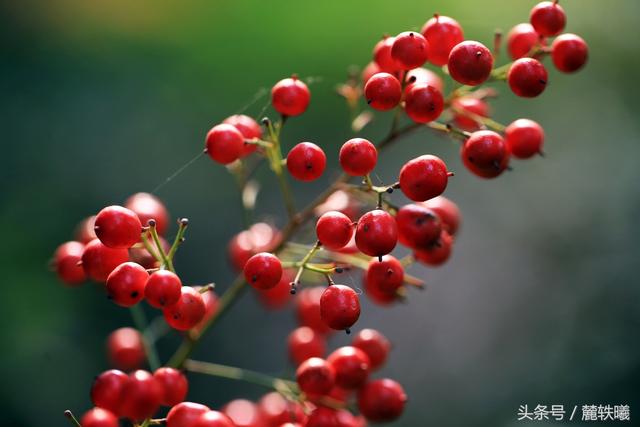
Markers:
{"x": 447, "y": 211}
{"x": 147, "y": 206}
{"x": 99, "y": 417}
{"x": 548, "y": 18}
{"x": 126, "y": 283}
{"x": 521, "y": 39}
{"x": 66, "y": 262}
{"x": 382, "y": 56}
{"x": 527, "y": 77}
{"x": 174, "y": 385}
{"x": 125, "y": 349}
{"x": 107, "y": 389}
{"x": 381, "y": 400}
{"x": 386, "y": 276}
{"x": 485, "y": 154}
{"x": 263, "y": 271}
{"x": 351, "y": 366}
{"x": 306, "y": 161}
{"x": 569, "y": 53}
{"x": 383, "y": 91}
{"x": 376, "y": 233}
{"x": 410, "y": 50}
{"x": 187, "y": 312}
{"x": 249, "y": 129}
{"x": 375, "y": 345}
{"x": 524, "y": 138}
{"x": 423, "y": 103}
{"x": 470, "y": 63}
{"x": 315, "y": 376}
{"x": 436, "y": 254}
{"x": 141, "y": 396}
{"x": 339, "y": 307}
{"x": 304, "y": 343}
{"x": 185, "y": 414}
{"x": 118, "y": 227}
{"x": 224, "y": 143}
{"x": 469, "y": 104}
{"x": 162, "y": 289}
{"x": 213, "y": 419}
{"x": 423, "y": 178}
{"x": 334, "y": 230}
{"x": 443, "y": 34}
{"x": 290, "y": 97}
{"x": 417, "y": 225}
{"x": 358, "y": 157}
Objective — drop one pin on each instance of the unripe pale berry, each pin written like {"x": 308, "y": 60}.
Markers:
{"x": 548, "y": 18}
{"x": 410, "y": 50}
{"x": 443, "y": 34}
{"x": 125, "y": 349}
{"x": 334, "y": 230}
{"x": 381, "y": 400}
{"x": 527, "y": 77}
{"x": 569, "y": 53}
{"x": 263, "y": 271}
{"x": 315, "y": 376}
{"x": 290, "y": 97}
{"x": 118, "y": 227}
{"x": 126, "y": 283}
{"x": 383, "y": 91}
{"x": 376, "y": 233}
{"x": 374, "y": 344}
{"x": 524, "y": 138}
{"x": 339, "y": 307}
{"x": 187, "y": 312}
{"x": 224, "y": 143}
{"x": 423, "y": 178}
{"x": 306, "y": 161}
{"x": 358, "y": 157}
{"x": 470, "y": 63}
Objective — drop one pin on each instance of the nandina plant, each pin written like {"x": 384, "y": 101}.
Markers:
{"x": 356, "y": 224}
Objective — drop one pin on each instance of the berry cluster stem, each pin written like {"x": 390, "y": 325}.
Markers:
{"x": 140, "y": 321}
{"x": 239, "y": 374}
{"x": 274, "y": 155}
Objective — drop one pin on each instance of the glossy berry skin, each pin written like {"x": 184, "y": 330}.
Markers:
{"x": 381, "y": 400}
{"x": 118, "y": 227}
{"x": 423, "y": 178}
{"x": 417, "y": 225}
{"x": 422, "y": 75}
{"x": 308, "y": 309}
{"x": 126, "y": 283}
{"x": 243, "y": 413}
{"x": 224, "y": 143}
{"x": 304, "y": 343}
{"x": 443, "y": 34}
{"x": 249, "y": 129}
{"x": 334, "y": 230}
{"x": 323, "y": 416}
{"x": 174, "y": 385}
{"x": 383, "y": 91}
{"x": 351, "y": 365}
{"x": 423, "y": 103}
{"x": 382, "y": 56}
{"x": 468, "y": 104}
{"x": 162, "y": 289}
{"x": 99, "y": 417}
{"x": 527, "y": 77}
{"x": 376, "y": 233}
{"x": 548, "y": 18}
{"x": 569, "y": 53}
{"x": 275, "y": 410}
{"x": 263, "y": 271}
{"x": 375, "y": 345}
{"x": 66, "y": 262}
{"x": 339, "y": 307}
{"x": 141, "y": 396}
{"x": 470, "y": 63}
{"x": 521, "y": 40}
{"x": 378, "y": 297}
{"x": 410, "y": 50}
{"x": 358, "y": 157}
{"x": 187, "y": 312}
{"x": 107, "y": 389}
{"x": 447, "y": 211}
{"x": 436, "y": 254}
{"x": 524, "y": 138}
{"x": 213, "y": 419}
{"x": 306, "y": 161}
{"x": 125, "y": 349}
{"x": 98, "y": 260}
{"x": 386, "y": 276}
{"x": 290, "y": 97}
{"x": 185, "y": 414}
{"x": 147, "y": 206}
{"x": 315, "y": 376}
{"x": 485, "y": 154}
{"x": 260, "y": 237}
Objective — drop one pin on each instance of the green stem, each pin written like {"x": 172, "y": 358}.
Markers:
{"x": 72, "y": 419}
{"x": 305, "y": 260}
{"x": 183, "y": 224}
{"x": 149, "y": 248}
{"x": 166, "y": 262}
{"x": 140, "y": 320}
{"x": 274, "y": 154}
{"x": 233, "y": 373}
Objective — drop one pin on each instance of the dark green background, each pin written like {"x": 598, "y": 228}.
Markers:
{"x": 101, "y": 99}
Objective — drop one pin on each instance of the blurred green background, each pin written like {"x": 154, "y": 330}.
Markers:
{"x": 100, "y": 99}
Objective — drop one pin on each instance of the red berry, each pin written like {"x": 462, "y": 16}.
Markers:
{"x": 98, "y": 260}
{"x": 275, "y": 410}
{"x": 243, "y": 413}
{"x": 386, "y": 276}
{"x": 249, "y": 129}
{"x": 423, "y": 103}
{"x": 187, "y": 312}
{"x": 339, "y": 307}
{"x": 417, "y": 225}
{"x": 381, "y": 400}
{"x": 548, "y": 18}
{"x": 521, "y": 40}
{"x": 443, "y": 34}
{"x": 422, "y": 75}
{"x": 376, "y": 233}
{"x": 260, "y": 237}
{"x": 378, "y": 297}
{"x": 447, "y": 211}
{"x": 147, "y": 206}
{"x": 308, "y": 309}
{"x": 213, "y": 419}
{"x": 347, "y": 419}
{"x": 382, "y": 56}
{"x": 66, "y": 262}
{"x": 125, "y": 349}
{"x": 210, "y": 300}
{"x": 304, "y": 343}
{"x": 162, "y": 289}
{"x": 383, "y": 91}
{"x": 174, "y": 385}
{"x": 224, "y": 143}
{"x": 334, "y": 230}
{"x": 358, "y": 157}
{"x": 470, "y": 63}
{"x": 85, "y": 231}
{"x": 98, "y": 417}
{"x": 569, "y": 53}
{"x": 290, "y": 97}
{"x": 527, "y": 77}
{"x": 278, "y": 296}
{"x": 438, "y": 253}
{"x": 126, "y": 283}
{"x": 185, "y": 414}
{"x": 524, "y": 138}
{"x": 485, "y": 154}
{"x": 340, "y": 201}
{"x": 315, "y": 376}
{"x": 323, "y": 417}
{"x": 374, "y": 344}
{"x": 468, "y": 104}
{"x": 106, "y": 390}
{"x": 263, "y": 271}
{"x": 351, "y": 365}
{"x": 118, "y": 227}
{"x": 423, "y": 178}
{"x": 410, "y": 50}
{"x": 306, "y": 161}
{"x": 141, "y": 396}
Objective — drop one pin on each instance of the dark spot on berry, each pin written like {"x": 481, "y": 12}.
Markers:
{"x": 543, "y": 82}
{"x": 348, "y": 331}
{"x": 254, "y": 278}
{"x": 134, "y": 294}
